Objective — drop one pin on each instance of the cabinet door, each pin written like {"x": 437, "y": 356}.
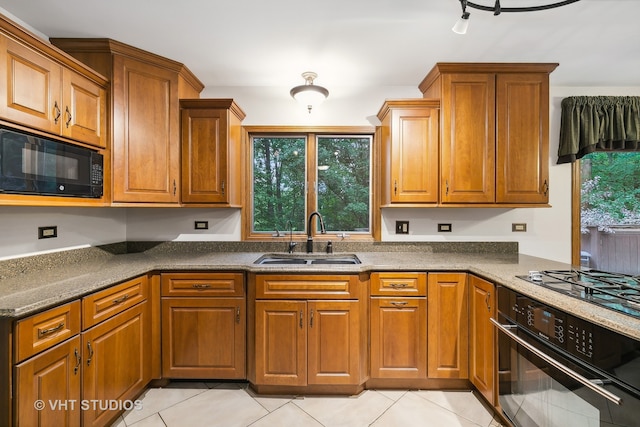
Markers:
{"x": 31, "y": 87}
{"x": 281, "y": 342}
{"x": 482, "y": 337}
{"x": 117, "y": 363}
{"x": 448, "y": 325}
{"x": 414, "y": 156}
{"x": 204, "y": 156}
{"x": 203, "y": 338}
{"x": 85, "y": 110}
{"x": 398, "y": 338}
{"x": 468, "y": 138}
{"x": 52, "y": 377}
{"x": 334, "y": 340}
{"x": 146, "y": 151}
{"x": 522, "y": 138}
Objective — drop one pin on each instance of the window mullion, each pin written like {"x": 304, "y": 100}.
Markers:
{"x": 312, "y": 178}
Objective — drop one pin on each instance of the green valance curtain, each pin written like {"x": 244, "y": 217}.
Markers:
{"x": 590, "y": 123}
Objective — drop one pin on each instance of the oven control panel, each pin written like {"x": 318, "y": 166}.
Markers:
{"x": 578, "y": 337}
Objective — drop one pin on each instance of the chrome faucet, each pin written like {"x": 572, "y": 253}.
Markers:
{"x": 322, "y": 230}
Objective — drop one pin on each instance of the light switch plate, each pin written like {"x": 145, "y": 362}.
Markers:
{"x": 402, "y": 227}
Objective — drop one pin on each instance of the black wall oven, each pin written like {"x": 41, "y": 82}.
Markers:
{"x": 31, "y": 164}
{"x": 558, "y": 370}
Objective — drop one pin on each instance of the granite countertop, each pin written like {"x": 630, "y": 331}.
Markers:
{"x": 32, "y": 291}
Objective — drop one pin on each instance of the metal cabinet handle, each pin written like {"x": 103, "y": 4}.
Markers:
{"x": 399, "y": 285}
{"x": 174, "y": 187}
{"x": 395, "y": 187}
{"x": 545, "y": 187}
{"x": 301, "y": 323}
{"x": 78, "y": 361}
{"x": 44, "y": 332}
{"x": 311, "y": 319}
{"x": 58, "y": 112}
{"x": 222, "y": 187}
{"x": 564, "y": 369}
{"x": 399, "y": 303}
{"x": 487, "y": 301}
{"x": 237, "y": 314}
{"x": 121, "y": 299}
{"x": 90, "y": 353}
{"x": 201, "y": 285}
{"x": 68, "y": 113}
{"x": 446, "y": 184}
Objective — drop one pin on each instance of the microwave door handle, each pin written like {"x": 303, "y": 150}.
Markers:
{"x": 506, "y": 329}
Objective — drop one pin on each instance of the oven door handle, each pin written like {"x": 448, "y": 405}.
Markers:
{"x": 506, "y": 329}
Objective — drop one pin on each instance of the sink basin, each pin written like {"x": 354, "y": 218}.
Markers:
{"x": 307, "y": 259}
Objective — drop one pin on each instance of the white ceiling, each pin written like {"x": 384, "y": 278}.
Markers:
{"x": 364, "y": 43}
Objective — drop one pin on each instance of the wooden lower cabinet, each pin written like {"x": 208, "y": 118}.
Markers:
{"x": 203, "y": 338}
{"x": 116, "y": 363}
{"x": 53, "y": 378}
{"x": 482, "y": 338}
{"x": 448, "y": 328}
{"x": 311, "y": 342}
{"x": 398, "y": 337}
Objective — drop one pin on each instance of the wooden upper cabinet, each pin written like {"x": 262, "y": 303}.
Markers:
{"x": 145, "y": 117}
{"x": 211, "y": 152}
{"x": 495, "y": 132}
{"x": 468, "y": 138}
{"x": 85, "y": 110}
{"x": 409, "y": 157}
{"x": 522, "y": 162}
{"x": 41, "y": 93}
{"x": 31, "y": 86}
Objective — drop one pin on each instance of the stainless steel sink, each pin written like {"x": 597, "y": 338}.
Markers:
{"x": 307, "y": 259}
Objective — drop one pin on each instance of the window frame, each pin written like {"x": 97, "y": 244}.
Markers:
{"x": 311, "y": 134}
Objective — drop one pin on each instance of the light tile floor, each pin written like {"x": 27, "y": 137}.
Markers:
{"x": 196, "y": 404}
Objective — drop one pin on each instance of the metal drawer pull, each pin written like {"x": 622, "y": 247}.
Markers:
{"x": 68, "y": 115}
{"x": 43, "y": 332}
{"x": 559, "y": 366}
{"x": 90, "y": 353}
{"x": 121, "y": 299}
{"x": 201, "y": 285}
{"x": 78, "y": 361}
{"x": 399, "y": 303}
{"x": 399, "y": 285}
{"x": 57, "y": 112}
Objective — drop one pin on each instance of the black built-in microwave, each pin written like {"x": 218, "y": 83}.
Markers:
{"x": 31, "y": 164}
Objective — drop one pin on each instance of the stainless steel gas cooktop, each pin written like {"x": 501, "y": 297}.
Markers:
{"x": 619, "y": 292}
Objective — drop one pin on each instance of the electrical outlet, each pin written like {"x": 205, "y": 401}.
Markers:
{"x": 48, "y": 232}
{"x": 201, "y": 225}
{"x": 444, "y": 228}
{"x": 515, "y": 227}
{"x": 402, "y": 227}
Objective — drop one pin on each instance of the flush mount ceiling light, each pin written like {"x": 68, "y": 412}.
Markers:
{"x": 308, "y": 94}
{"x": 463, "y": 23}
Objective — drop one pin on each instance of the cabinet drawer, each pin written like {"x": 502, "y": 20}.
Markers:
{"x": 43, "y": 330}
{"x": 405, "y": 284}
{"x": 104, "y": 304}
{"x": 306, "y": 286}
{"x": 202, "y": 284}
